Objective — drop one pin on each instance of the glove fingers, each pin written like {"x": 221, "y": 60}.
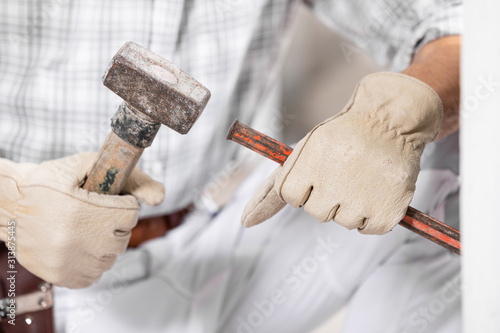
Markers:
{"x": 118, "y": 245}
{"x": 264, "y": 204}
{"x": 318, "y": 208}
{"x": 296, "y": 188}
{"x": 144, "y": 188}
{"x": 63, "y": 173}
{"x": 89, "y": 275}
{"x": 140, "y": 185}
{"x": 350, "y": 217}
{"x": 389, "y": 217}
{"x": 379, "y": 225}
{"x": 106, "y": 263}
{"x": 78, "y": 165}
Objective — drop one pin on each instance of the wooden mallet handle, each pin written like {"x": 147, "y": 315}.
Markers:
{"x": 131, "y": 133}
{"x": 415, "y": 220}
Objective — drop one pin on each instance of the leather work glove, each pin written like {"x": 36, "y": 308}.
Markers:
{"x": 64, "y": 234}
{"x": 359, "y": 167}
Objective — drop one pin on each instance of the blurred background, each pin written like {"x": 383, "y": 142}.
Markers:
{"x": 319, "y": 76}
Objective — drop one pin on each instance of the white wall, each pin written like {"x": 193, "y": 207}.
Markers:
{"x": 480, "y": 166}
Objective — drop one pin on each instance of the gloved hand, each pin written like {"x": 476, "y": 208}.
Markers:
{"x": 359, "y": 167}
{"x": 63, "y": 233}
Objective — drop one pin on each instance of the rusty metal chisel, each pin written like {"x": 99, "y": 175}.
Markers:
{"x": 414, "y": 220}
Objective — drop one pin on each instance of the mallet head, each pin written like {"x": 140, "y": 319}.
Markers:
{"x": 156, "y": 87}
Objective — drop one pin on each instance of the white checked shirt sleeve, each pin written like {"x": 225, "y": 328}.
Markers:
{"x": 391, "y": 31}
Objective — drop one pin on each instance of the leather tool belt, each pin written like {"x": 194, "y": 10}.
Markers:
{"x": 152, "y": 227}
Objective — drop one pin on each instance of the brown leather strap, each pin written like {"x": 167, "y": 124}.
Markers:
{"x": 152, "y": 227}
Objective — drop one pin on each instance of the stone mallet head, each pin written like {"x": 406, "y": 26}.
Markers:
{"x": 155, "y": 92}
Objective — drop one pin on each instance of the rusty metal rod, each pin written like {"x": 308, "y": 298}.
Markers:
{"x": 415, "y": 220}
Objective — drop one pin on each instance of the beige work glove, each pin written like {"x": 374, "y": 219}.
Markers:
{"x": 359, "y": 167}
{"x": 64, "y": 234}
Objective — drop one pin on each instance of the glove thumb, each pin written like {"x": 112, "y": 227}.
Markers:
{"x": 144, "y": 188}
{"x": 264, "y": 204}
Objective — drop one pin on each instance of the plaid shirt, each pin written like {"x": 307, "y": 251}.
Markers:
{"x": 54, "y": 52}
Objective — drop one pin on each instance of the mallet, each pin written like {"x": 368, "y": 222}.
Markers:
{"x": 155, "y": 92}
{"x": 415, "y": 220}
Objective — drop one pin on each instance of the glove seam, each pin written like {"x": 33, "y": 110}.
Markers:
{"x": 76, "y": 198}
{"x": 386, "y": 128}
{"x": 18, "y": 191}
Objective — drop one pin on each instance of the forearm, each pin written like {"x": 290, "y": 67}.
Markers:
{"x": 438, "y": 64}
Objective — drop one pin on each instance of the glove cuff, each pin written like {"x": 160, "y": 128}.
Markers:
{"x": 403, "y": 103}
